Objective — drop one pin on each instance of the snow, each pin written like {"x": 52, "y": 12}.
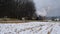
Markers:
{"x": 30, "y": 28}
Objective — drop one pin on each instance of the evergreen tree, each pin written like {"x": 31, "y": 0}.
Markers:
{"x": 16, "y": 8}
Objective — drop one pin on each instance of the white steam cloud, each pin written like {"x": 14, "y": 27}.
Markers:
{"x": 43, "y": 11}
{"x": 53, "y": 10}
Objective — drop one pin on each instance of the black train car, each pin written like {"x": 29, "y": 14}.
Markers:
{"x": 17, "y": 8}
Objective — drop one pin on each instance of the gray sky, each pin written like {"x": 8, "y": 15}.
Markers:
{"x": 54, "y": 7}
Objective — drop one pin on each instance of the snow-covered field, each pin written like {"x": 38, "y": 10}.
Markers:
{"x": 30, "y": 28}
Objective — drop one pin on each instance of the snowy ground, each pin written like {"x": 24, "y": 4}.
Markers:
{"x": 30, "y": 28}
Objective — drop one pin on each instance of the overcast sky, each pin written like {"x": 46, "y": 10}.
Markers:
{"x": 54, "y": 6}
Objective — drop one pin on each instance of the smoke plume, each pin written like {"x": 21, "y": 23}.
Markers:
{"x": 43, "y": 11}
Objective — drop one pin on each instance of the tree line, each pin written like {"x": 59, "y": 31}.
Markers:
{"x": 16, "y": 8}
